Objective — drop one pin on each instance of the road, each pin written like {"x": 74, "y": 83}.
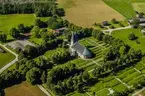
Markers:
{"x": 13, "y": 62}
{"x": 111, "y": 30}
{"x": 43, "y": 90}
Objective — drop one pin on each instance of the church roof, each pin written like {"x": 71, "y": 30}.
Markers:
{"x": 78, "y": 47}
{"x": 86, "y": 52}
{"x": 81, "y": 49}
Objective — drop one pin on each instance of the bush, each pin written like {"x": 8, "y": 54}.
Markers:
{"x": 132, "y": 36}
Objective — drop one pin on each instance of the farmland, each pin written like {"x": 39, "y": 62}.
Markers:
{"x": 75, "y": 12}
{"x": 123, "y": 35}
{"x": 124, "y": 7}
{"x": 23, "y": 89}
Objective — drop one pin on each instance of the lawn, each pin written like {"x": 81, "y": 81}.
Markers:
{"x": 6, "y": 58}
{"x": 23, "y": 89}
{"x": 9, "y": 21}
{"x": 122, "y": 6}
{"x": 86, "y": 12}
{"x": 123, "y": 35}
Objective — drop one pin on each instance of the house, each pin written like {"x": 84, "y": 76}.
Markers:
{"x": 105, "y": 23}
{"x": 77, "y": 49}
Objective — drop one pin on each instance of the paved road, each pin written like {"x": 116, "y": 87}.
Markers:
{"x": 12, "y": 62}
{"x": 111, "y": 30}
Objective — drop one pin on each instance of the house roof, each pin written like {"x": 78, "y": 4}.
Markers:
{"x": 78, "y": 47}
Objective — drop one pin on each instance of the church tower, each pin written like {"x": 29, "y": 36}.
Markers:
{"x": 74, "y": 39}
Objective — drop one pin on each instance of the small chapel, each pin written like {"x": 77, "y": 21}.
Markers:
{"x": 77, "y": 49}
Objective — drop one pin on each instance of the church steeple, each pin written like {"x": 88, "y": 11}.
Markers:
{"x": 74, "y": 38}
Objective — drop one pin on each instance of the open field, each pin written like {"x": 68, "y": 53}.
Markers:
{"x": 13, "y": 20}
{"x": 5, "y": 58}
{"x": 124, "y": 7}
{"x": 23, "y": 89}
{"x": 140, "y": 7}
{"x": 9, "y": 21}
{"x": 87, "y": 12}
{"x": 123, "y": 35}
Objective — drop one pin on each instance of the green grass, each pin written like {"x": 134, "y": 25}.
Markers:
{"x": 122, "y": 6}
{"x": 5, "y": 58}
{"x": 123, "y": 35}
{"x": 140, "y": 7}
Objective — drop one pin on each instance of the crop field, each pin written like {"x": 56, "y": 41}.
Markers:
{"x": 23, "y": 89}
{"x": 123, "y": 35}
{"x": 86, "y": 12}
{"x": 124, "y": 7}
{"x": 5, "y": 58}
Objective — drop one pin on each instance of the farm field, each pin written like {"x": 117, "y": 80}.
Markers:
{"x": 5, "y": 58}
{"x": 96, "y": 11}
{"x": 124, "y": 7}
{"x": 23, "y": 89}
{"x": 123, "y": 35}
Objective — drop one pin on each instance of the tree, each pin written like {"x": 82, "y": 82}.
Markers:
{"x": 36, "y": 32}
{"x": 135, "y": 22}
{"x": 114, "y": 21}
{"x": 33, "y": 76}
{"x": 21, "y": 28}
{"x": 14, "y": 33}
{"x": 43, "y": 77}
{"x": 30, "y": 51}
{"x": 3, "y": 37}
{"x": 132, "y": 36}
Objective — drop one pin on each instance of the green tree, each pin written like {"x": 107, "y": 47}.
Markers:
{"x": 14, "y": 33}
{"x": 33, "y": 76}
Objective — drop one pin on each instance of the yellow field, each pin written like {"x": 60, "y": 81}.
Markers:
{"x": 87, "y": 12}
{"x": 140, "y": 7}
{"x": 23, "y": 89}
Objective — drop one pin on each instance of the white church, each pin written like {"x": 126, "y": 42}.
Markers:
{"x": 77, "y": 49}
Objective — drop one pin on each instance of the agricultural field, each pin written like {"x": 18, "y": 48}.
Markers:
{"x": 124, "y": 7}
{"x": 123, "y": 35}
{"x": 96, "y": 11}
{"x": 5, "y": 58}
{"x": 23, "y": 89}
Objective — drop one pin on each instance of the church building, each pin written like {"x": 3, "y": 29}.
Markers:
{"x": 77, "y": 49}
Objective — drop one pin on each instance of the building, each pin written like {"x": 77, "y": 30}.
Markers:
{"x": 77, "y": 49}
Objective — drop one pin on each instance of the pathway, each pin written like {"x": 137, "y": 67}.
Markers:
{"x": 111, "y": 30}
{"x": 136, "y": 94}
{"x": 12, "y": 62}
{"x": 122, "y": 82}
{"x": 43, "y": 90}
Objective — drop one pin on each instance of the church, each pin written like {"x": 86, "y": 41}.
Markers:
{"x": 77, "y": 49}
